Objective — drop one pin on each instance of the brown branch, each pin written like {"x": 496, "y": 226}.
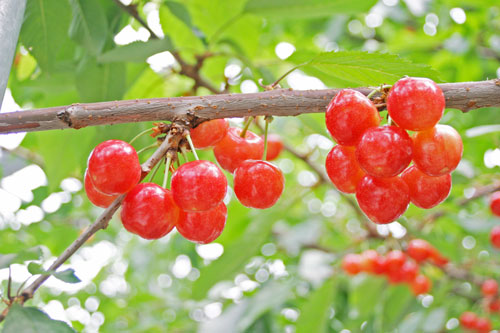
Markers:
{"x": 171, "y": 141}
{"x": 464, "y": 96}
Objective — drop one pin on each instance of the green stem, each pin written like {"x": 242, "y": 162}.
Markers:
{"x": 184, "y": 154}
{"x": 245, "y": 128}
{"x": 153, "y": 174}
{"x": 285, "y": 75}
{"x": 167, "y": 168}
{"x": 147, "y": 148}
{"x": 266, "y": 128}
{"x": 374, "y": 91}
{"x": 193, "y": 149}
{"x": 140, "y": 134}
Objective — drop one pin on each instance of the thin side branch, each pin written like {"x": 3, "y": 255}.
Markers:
{"x": 192, "y": 110}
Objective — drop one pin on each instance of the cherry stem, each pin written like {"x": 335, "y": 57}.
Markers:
{"x": 245, "y": 128}
{"x": 266, "y": 128}
{"x": 184, "y": 154}
{"x": 193, "y": 149}
{"x": 153, "y": 174}
{"x": 389, "y": 120}
{"x": 167, "y": 168}
{"x": 139, "y": 135}
{"x": 147, "y": 148}
{"x": 379, "y": 89}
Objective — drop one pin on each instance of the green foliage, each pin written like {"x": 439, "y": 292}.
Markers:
{"x": 31, "y": 320}
{"x": 89, "y": 25}
{"x": 67, "y": 275}
{"x": 19, "y": 257}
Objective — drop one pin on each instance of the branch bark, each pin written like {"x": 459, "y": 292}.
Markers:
{"x": 192, "y": 110}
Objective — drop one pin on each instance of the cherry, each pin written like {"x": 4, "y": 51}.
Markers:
{"x": 415, "y": 103}
{"x": 482, "y": 325}
{"x": 421, "y": 285}
{"x": 494, "y": 305}
{"x": 380, "y": 266}
{"x": 409, "y": 271}
{"x": 149, "y": 211}
{"x": 395, "y": 277}
{"x": 384, "y": 151}
{"x": 495, "y": 203}
{"x": 113, "y": 167}
{"x": 233, "y": 149}
{"x": 395, "y": 260}
{"x": 343, "y": 168}
{"x": 437, "y": 151}
{"x": 438, "y": 259}
{"x": 419, "y": 249}
{"x": 97, "y": 198}
{"x": 351, "y": 263}
{"x": 495, "y": 236}
{"x": 209, "y": 133}
{"x": 349, "y": 115}
{"x": 258, "y": 184}
{"x": 198, "y": 186}
{"x": 426, "y": 191}
{"x": 489, "y": 288}
{"x": 383, "y": 200}
{"x": 369, "y": 261}
{"x": 202, "y": 227}
{"x": 468, "y": 319}
{"x": 274, "y": 146}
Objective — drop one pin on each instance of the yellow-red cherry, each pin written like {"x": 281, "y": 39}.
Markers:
{"x": 343, "y": 168}
{"x": 415, "y": 103}
{"x": 202, "y": 227}
{"x": 258, "y": 184}
{"x": 349, "y": 115}
{"x": 437, "y": 151}
{"x": 114, "y": 167}
{"x": 96, "y": 197}
{"x": 232, "y": 150}
{"x": 149, "y": 211}
{"x": 351, "y": 263}
{"x": 421, "y": 285}
{"x": 198, "y": 186}
{"x": 426, "y": 191}
{"x": 209, "y": 133}
{"x": 384, "y": 151}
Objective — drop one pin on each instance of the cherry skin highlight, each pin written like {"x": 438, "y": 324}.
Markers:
{"x": 198, "y": 186}
{"x": 489, "y": 288}
{"x": 349, "y": 115}
{"x": 114, "y": 167}
{"x": 495, "y": 203}
{"x": 415, "y": 103}
{"x": 351, "y": 264}
{"x": 437, "y": 151}
{"x": 232, "y": 150}
{"x": 202, "y": 227}
{"x": 149, "y": 211}
{"x": 209, "y": 133}
{"x": 383, "y": 200}
{"x": 97, "y": 198}
{"x": 495, "y": 237}
{"x": 426, "y": 191}
{"x": 343, "y": 169}
{"x": 258, "y": 184}
{"x": 274, "y": 146}
{"x": 421, "y": 285}
{"x": 419, "y": 250}
{"x": 384, "y": 151}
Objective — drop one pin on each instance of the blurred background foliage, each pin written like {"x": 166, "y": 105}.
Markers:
{"x": 275, "y": 270}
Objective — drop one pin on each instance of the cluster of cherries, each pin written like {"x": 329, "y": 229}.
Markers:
{"x": 194, "y": 205}
{"x": 372, "y": 161}
{"x": 399, "y": 267}
{"x": 473, "y": 323}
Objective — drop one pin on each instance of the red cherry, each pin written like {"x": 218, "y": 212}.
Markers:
{"x": 209, "y": 133}
{"x": 149, "y": 211}
{"x": 421, "y": 285}
{"x": 415, "y": 103}
{"x": 383, "y": 200}
{"x": 489, "y": 288}
{"x": 114, "y": 167}
{"x": 274, "y": 146}
{"x": 495, "y": 236}
{"x": 495, "y": 203}
{"x": 369, "y": 261}
{"x": 494, "y": 305}
{"x": 351, "y": 264}
{"x": 438, "y": 259}
{"x": 419, "y": 249}
{"x": 468, "y": 319}
{"x": 426, "y": 191}
{"x": 409, "y": 271}
{"x": 97, "y": 198}
{"x": 384, "y": 151}
{"x": 233, "y": 149}
{"x": 482, "y": 325}
{"x": 437, "y": 151}
{"x": 349, "y": 115}
{"x": 395, "y": 260}
{"x": 380, "y": 266}
{"x": 198, "y": 186}
{"x": 258, "y": 184}
{"x": 343, "y": 168}
{"x": 395, "y": 277}
{"x": 202, "y": 227}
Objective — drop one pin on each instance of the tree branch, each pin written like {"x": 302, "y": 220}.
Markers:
{"x": 192, "y": 110}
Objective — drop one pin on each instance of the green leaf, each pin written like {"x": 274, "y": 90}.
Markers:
{"x": 32, "y": 320}
{"x": 359, "y": 68}
{"x": 16, "y": 258}
{"x": 182, "y": 13}
{"x": 67, "y": 275}
{"x": 314, "y": 313}
{"x": 298, "y": 9}
{"x": 44, "y": 30}
{"x": 89, "y": 26}
{"x": 101, "y": 82}
{"x": 136, "y": 51}
{"x": 435, "y": 320}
